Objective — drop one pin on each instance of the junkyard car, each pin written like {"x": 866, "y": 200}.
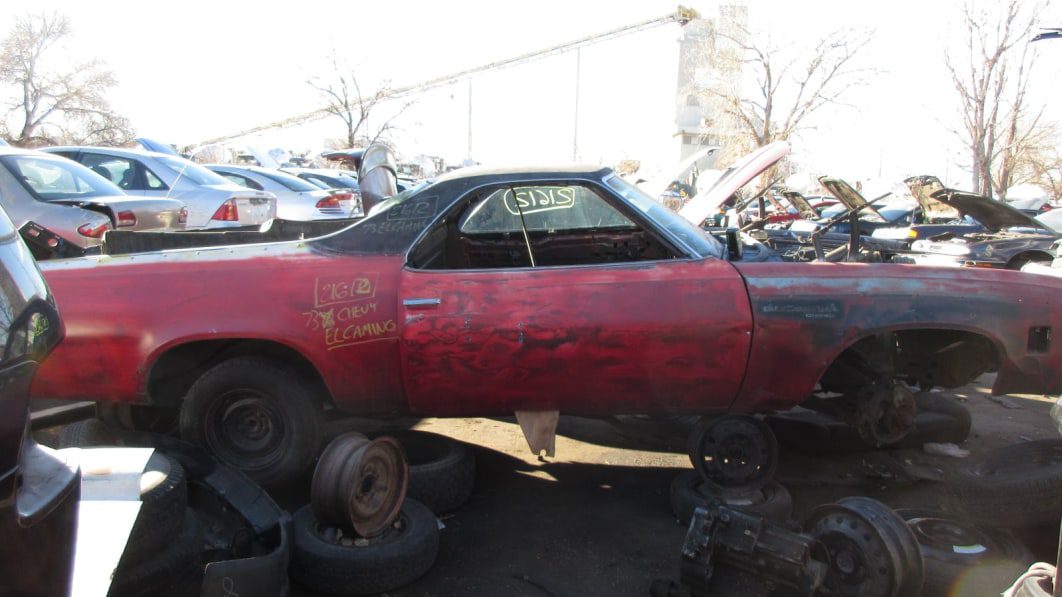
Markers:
{"x": 39, "y": 488}
{"x": 75, "y": 203}
{"x": 297, "y": 199}
{"x": 488, "y": 292}
{"x": 1010, "y": 238}
{"x": 212, "y": 201}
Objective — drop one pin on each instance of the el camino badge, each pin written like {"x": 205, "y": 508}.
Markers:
{"x": 813, "y": 309}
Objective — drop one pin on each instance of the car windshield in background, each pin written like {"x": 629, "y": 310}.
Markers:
{"x": 292, "y": 183}
{"x": 58, "y": 179}
{"x": 697, "y": 240}
{"x": 1052, "y": 219}
{"x": 193, "y": 172}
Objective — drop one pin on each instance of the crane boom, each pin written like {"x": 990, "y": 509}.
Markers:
{"x": 682, "y": 16}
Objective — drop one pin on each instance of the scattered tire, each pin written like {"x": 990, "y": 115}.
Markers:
{"x": 935, "y": 402}
{"x": 1013, "y": 486}
{"x": 173, "y": 571}
{"x": 326, "y": 561}
{"x": 86, "y": 433}
{"x": 139, "y": 417}
{"x": 961, "y": 558}
{"x": 256, "y": 416}
{"x": 689, "y": 491}
{"x": 164, "y": 500}
{"x": 442, "y": 471}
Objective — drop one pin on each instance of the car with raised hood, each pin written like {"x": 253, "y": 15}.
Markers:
{"x": 70, "y": 203}
{"x": 212, "y": 201}
{"x": 297, "y": 199}
{"x": 1009, "y": 239}
{"x": 530, "y": 290}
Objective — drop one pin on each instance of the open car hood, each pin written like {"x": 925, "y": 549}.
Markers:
{"x": 752, "y": 165}
{"x": 923, "y": 187}
{"x": 657, "y": 186}
{"x": 851, "y": 198}
{"x": 993, "y": 215}
{"x": 801, "y": 204}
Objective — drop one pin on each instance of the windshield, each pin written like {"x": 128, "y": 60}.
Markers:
{"x": 193, "y": 172}
{"x": 57, "y": 179}
{"x": 1051, "y": 219}
{"x": 891, "y": 214}
{"x": 695, "y": 238}
{"x": 292, "y": 183}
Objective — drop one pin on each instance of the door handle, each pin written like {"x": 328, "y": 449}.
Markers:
{"x": 414, "y": 303}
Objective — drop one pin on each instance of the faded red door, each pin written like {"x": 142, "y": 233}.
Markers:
{"x": 647, "y": 337}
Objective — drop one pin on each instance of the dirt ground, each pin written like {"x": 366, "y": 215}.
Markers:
{"x": 596, "y": 520}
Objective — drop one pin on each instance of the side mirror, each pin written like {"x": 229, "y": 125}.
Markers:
{"x": 734, "y": 248}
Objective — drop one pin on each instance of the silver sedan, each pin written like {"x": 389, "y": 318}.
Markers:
{"x": 212, "y": 201}
{"x": 74, "y": 202}
{"x": 297, "y": 199}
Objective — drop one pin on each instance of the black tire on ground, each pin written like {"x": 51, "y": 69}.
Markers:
{"x": 392, "y": 560}
{"x": 86, "y": 433}
{"x": 442, "y": 471}
{"x": 139, "y": 417}
{"x": 961, "y": 559}
{"x": 935, "y": 402}
{"x": 688, "y": 492}
{"x": 257, "y": 416}
{"x": 1014, "y": 486}
{"x": 174, "y": 571}
{"x": 164, "y": 500}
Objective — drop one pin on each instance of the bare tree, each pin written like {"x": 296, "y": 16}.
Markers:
{"x": 999, "y": 126}
{"x": 73, "y": 100}
{"x": 791, "y": 84}
{"x": 346, "y": 100}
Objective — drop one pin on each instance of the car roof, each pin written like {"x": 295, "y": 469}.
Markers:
{"x": 118, "y": 151}
{"x": 533, "y": 172}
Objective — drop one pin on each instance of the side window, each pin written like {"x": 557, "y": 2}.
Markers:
{"x": 241, "y": 180}
{"x": 539, "y": 225}
{"x": 153, "y": 182}
{"x": 120, "y": 171}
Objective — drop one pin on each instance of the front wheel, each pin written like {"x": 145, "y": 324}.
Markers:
{"x": 256, "y": 416}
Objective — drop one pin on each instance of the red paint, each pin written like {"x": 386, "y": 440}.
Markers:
{"x": 670, "y": 336}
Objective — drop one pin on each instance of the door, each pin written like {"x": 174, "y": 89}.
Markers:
{"x": 587, "y": 329}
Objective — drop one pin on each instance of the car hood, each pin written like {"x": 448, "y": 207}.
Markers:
{"x": 752, "y": 165}
{"x": 993, "y": 215}
{"x": 922, "y": 188}
{"x": 656, "y": 186}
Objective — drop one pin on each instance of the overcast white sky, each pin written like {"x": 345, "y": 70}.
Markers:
{"x": 194, "y": 70}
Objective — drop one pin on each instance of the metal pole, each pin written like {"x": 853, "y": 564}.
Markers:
{"x": 575, "y": 128}
{"x": 469, "y": 156}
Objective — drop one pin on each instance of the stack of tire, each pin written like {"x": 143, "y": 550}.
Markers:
{"x": 748, "y": 487}
{"x": 163, "y": 555}
{"x": 331, "y": 559}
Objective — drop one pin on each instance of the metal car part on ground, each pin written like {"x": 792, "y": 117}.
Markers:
{"x": 443, "y": 293}
{"x": 212, "y": 201}
{"x": 688, "y": 492}
{"x": 963, "y": 559}
{"x": 359, "y": 483}
{"x": 297, "y": 199}
{"x": 75, "y": 203}
{"x": 442, "y": 471}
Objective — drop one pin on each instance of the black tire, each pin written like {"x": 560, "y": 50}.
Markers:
{"x": 962, "y": 558}
{"x": 1014, "y": 486}
{"x": 164, "y": 500}
{"x": 689, "y": 492}
{"x": 256, "y": 416}
{"x": 174, "y": 571}
{"x": 86, "y": 433}
{"x": 139, "y": 417}
{"x": 442, "y": 471}
{"x": 955, "y": 433}
{"x": 392, "y": 560}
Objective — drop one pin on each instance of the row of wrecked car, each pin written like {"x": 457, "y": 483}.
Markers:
{"x": 936, "y": 226}
{"x": 71, "y": 196}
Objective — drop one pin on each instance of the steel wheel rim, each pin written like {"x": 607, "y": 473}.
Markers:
{"x": 245, "y": 428}
{"x": 360, "y": 484}
{"x": 735, "y": 452}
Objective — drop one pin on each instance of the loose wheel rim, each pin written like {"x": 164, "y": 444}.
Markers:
{"x": 860, "y": 560}
{"x": 246, "y": 428}
{"x": 360, "y": 484}
{"x": 735, "y": 452}
{"x": 949, "y": 535}
{"x": 912, "y": 565}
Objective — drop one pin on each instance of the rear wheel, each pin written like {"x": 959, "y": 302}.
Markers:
{"x": 256, "y": 416}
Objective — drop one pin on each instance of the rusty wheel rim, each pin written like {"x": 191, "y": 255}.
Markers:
{"x": 377, "y": 486}
{"x": 360, "y": 484}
